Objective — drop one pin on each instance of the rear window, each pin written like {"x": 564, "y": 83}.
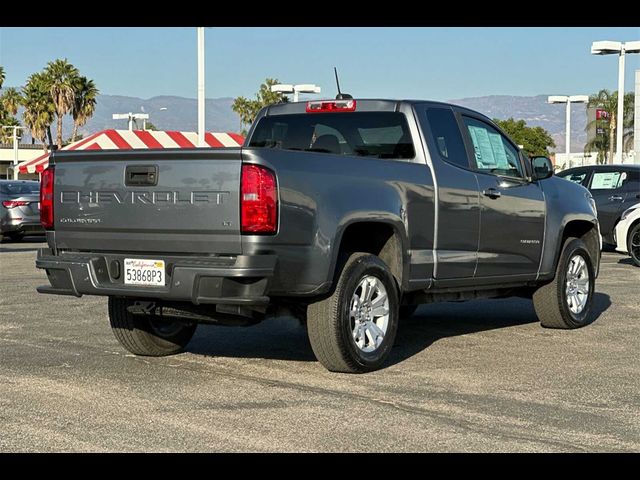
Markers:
{"x": 367, "y": 134}
{"x": 19, "y": 188}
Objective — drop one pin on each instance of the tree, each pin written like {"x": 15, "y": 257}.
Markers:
{"x": 608, "y": 101}
{"x": 150, "y": 126}
{"x": 535, "y": 141}
{"x": 84, "y": 104}
{"x": 39, "y": 108}
{"x": 248, "y": 109}
{"x": 62, "y": 77}
{"x": 11, "y": 100}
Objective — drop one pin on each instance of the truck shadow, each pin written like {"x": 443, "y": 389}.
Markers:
{"x": 433, "y": 322}
{"x": 284, "y": 338}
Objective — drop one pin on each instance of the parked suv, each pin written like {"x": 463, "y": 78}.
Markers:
{"x": 19, "y": 209}
{"x": 615, "y": 188}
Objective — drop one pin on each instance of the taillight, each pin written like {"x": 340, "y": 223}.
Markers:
{"x": 46, "y": 198}
{"x": 14, "y": 203}
{"x": 258, "y": 200}
{"x": 331, "y": 106}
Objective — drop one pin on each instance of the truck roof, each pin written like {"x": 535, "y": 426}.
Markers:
{"x": 363, "y": 105}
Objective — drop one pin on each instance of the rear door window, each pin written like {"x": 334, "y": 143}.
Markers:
{"x": 367, "y": 134}
{"x": 608, "y": 180}
{"x": 447, "y": 137}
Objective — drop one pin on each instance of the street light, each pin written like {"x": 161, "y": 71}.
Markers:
{"x": 295, "y": 89}
{"x": 607, "y": 47}
{"x": 201, "y": 142}
{"x": 15, "y": 147}
{"x": 131, "y": 117}
{"x": 568, "y": 99}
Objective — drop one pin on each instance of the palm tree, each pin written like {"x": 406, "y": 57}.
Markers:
{"x": 62, "y": 76}
{"x": 608, "y": 101}
{"x": 6, "y": 134}
{"x": 39, "y": 109}
{"x": 11, "y": 100}
{"x": 245, "y": 109}
{"x": 84, "y": 105}
{"x": 2, "y": 76}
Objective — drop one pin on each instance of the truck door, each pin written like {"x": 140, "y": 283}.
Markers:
{"x": 458, "y": 207}
{"x": 512, "y": 208}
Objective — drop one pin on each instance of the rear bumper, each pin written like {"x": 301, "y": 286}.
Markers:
{"x": 11, "y": 225}
{"x": 232, "y": 280}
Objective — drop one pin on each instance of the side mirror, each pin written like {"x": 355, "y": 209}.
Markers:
{"x": 542, "y": 168}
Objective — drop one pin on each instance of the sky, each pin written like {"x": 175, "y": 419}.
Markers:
{"x": 428, "y": 63}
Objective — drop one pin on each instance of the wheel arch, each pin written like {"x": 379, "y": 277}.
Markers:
{"x": 385, "y": 238}
{"x": 588, "y": 233}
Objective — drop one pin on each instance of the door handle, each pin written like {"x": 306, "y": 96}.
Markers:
{"x": 141, "y": 175}
{"x": 492, "y": 193}
{"x": 615, "y": 198}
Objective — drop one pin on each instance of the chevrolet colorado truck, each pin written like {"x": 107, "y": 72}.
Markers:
{"x": 344, "y": 213}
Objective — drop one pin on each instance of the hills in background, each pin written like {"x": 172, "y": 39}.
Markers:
{"x": 179, "y": 113}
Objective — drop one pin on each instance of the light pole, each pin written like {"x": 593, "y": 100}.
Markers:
{"x": 295, "y": 89}
{"x": 608, "y": 47}
{"x": 201, "y": 87}
{"x": 568, "y": 99}
{"x": 15, "y": 148}
{"x": 131, "y": 117}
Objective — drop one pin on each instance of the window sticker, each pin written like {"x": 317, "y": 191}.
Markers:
{"x": 605, "y": 180}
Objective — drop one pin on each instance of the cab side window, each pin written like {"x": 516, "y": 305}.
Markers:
{"x": 493, "y": 153}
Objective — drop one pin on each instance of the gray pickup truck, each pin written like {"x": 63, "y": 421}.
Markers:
{"x": 344, "y": 213}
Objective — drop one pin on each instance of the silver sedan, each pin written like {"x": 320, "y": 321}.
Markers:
{"x": 19, "y": 209}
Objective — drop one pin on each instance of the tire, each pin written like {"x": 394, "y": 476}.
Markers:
{"x": 15, "y": 237}
{"x": 634, "y": 239}
{"x": 147, "y": 335}
{"x": 407, "y": 311}
{"x": 550, "y": 300}
{"x": 332, "y": 327}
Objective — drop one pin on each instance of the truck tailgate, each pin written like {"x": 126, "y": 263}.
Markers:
{"x": 171, "y": 201}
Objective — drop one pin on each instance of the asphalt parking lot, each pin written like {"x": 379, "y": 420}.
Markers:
{"x": 475, "y": 376}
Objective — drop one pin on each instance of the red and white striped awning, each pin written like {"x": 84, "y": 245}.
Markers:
{"x": 127, "y": 140}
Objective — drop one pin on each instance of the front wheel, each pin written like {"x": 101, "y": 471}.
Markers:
{"x": 634, "y": 244}
{"x": 353, "y": 330}
{"x": 566, "y": 301}
{"x": 148, "y": 335}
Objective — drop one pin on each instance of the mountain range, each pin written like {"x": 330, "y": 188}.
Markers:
{"x": 180, "y": 113}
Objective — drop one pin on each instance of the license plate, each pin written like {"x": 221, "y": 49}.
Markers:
{"x": 142, "y": 271}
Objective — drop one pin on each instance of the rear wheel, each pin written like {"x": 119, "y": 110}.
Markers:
{"x": 633, "y": 244}
{"x": 148, "y": 335}
{"x": 353, "y": 330}
{"x": 566, "y": 301}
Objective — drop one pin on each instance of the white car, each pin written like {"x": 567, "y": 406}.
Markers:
{"x": 628, "y": 233}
